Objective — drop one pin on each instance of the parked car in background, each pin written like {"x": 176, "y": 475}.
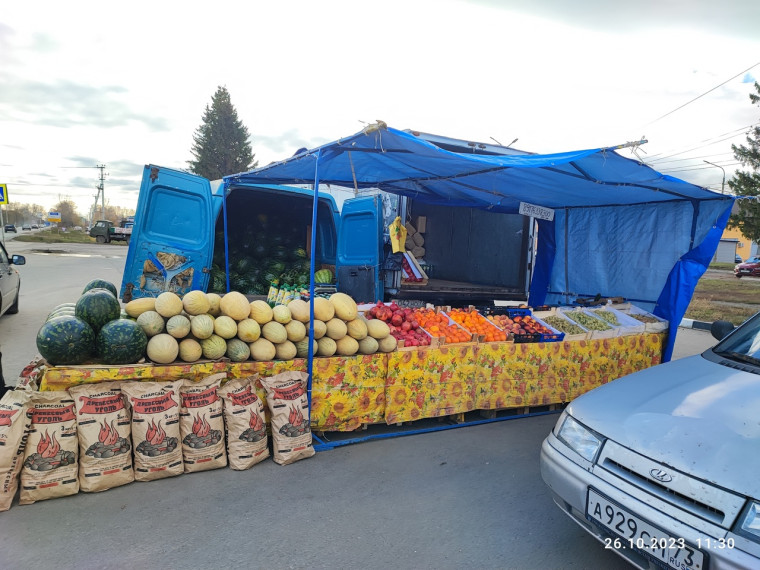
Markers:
{"x": 11, "y": 228}
{"x": 750, "y": 268}
{"x": 10, "y": 282}
{"x": 661, "y": 466}
{"x": 35, "y": 227}
{"x": 26, "y": 227}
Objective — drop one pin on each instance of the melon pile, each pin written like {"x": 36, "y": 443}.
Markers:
{"x": 210, "y": 326}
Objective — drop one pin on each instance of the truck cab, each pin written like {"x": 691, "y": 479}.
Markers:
{"x": 105, "y": 231}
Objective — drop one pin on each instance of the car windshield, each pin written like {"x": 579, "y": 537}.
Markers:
{"x": 743, "y": 344}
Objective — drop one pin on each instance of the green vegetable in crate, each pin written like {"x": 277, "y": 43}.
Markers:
{"x": 65, "y": 340}
{"x": 323, "y": 276}
{"x": 563, "y": 325}
{"x": 608, "y": 316}
{"x": 97, "y": 307}
{"x": 587, "y": 321}
{"x": 121, "y": 342}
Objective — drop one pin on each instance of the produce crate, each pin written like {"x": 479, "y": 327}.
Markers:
{"x": 476, "y": 337}
{"x": 514, "y": 312}
{"x": 657, "y": 324}
{"x": 554, "y": 313}
{"x": 609, "y": 331}
{"x": 627, "y": 325}
{"x": 417, "y": 277}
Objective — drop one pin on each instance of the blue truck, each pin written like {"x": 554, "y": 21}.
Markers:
{"x": 178, "y": 243}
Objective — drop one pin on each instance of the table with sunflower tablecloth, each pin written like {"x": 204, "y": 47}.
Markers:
{"x": 412, "y": 384}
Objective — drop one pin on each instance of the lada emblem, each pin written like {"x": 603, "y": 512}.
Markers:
{"x": 661, "y": 476}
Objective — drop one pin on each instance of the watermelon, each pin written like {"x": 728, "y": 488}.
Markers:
{"x": 96, "y": 308}
{"x": 65, "y": 340}
{"x": 121, "y": 342}
{"x": 323, "y": 276}
{"x": 101, "y": 283}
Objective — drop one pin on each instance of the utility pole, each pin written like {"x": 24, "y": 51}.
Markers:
{"x": 723, "y": 185}
{"x": 101, "y": 191}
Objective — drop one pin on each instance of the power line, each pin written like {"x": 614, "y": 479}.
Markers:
{"x": 703, "y": 94}
{"x": 735, "y": 132}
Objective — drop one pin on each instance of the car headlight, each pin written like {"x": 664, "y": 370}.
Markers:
{"x": 750, "y": 526}
{"x": 579, "y": 438}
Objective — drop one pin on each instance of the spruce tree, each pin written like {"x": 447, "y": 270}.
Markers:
{"x": 747, "y": 213}
{"x": 221, "y": 144}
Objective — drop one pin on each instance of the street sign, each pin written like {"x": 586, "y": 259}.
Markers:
{"x": 54, "y": 217}
{"x": 535, "y": 211}
{"x": 3, "y": 193}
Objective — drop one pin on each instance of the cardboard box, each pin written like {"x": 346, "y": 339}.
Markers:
{"x": 421, "y": 224}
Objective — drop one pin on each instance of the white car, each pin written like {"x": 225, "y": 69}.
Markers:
{"x": 663, "y": 466}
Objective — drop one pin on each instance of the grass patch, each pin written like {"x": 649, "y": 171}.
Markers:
{"x": 707, "y": 311}
{"x": 729, "y": 290}
{"x": 52, "y": 236}
{"x": 722, "y": 265}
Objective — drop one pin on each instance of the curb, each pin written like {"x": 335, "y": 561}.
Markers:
{"x": 692, "y": 324}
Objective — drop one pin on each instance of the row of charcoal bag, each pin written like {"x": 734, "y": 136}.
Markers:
{"x": 95, "y": 437}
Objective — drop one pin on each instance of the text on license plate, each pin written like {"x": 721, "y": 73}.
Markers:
{"x": 637, "y": 534}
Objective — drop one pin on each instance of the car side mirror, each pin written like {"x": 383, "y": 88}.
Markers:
{"x": 18, "y": 259}
{"x": 720, "y": 329}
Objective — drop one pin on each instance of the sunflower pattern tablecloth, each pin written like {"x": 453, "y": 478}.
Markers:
{"x": 411, "y": 384}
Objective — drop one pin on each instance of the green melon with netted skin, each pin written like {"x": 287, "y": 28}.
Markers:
{"x": 65, "y": 340}
{"x": 97, "y": 307}
{"x": 122, "y": 341}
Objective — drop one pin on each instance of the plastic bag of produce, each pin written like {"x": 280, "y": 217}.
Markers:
{"x": 14, "y": 425}
{"x": 155, "y": 428}
{"x": 247, "y": 442}
{"x": 51, "y": 459}
{"x": 105, "y": 447}
{"x": 398, "y": 235}
{"x": 201, "y": 424}
{"x": 289, "y": 407}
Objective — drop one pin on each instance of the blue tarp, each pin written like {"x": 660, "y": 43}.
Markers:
{"x": 620, "y": 228}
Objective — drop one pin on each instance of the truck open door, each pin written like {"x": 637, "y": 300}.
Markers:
{"x": 172, "y": 238}
{"x": 359, "y": 254}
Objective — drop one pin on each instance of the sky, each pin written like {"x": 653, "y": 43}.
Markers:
{"x": 123, "y": 85}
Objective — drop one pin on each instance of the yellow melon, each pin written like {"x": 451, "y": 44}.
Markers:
{"x": 368, "y": 345}
{"x": 262, "y": 350}
{"x": 162, "y": 348}
{"x": 214, "y": 300}
{"x": 345, "y": 306}
{"x": 137, "y": 307}
{"x": 378, "y": 329}
{"x": 323, "y": 309}
{"x": 274, "y": 332}
{"x": 336, "y": 328}
{"x": 168, "y": 304}
{"x": 234, "y": 304}
{"x": 285, "y": 351}
{"x": 347, "y": 346}
{"x": 357, "y": 328}
{"x": 226, "y": 327}
{"x": 281, "y": 314}
{"x": 326, "y": 346}
{"x": 387, "y": 344}
{"x": 296, "y": 331}
{"x": 178, "y": 326}
{"x": 320, "y": 329}
{"x": 195, "y": 303}
{"x": 299, "y": 310}
{"x": 260, "y": 311}
{"x": 202, "y": 326}
{"x": 248, "y": 330}
{"x": 190, "y": 350}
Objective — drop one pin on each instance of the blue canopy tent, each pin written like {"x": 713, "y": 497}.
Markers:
{"x": 619, "y": 227}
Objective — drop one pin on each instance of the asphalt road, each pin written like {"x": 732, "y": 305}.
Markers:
{"x": 469, "y": 497}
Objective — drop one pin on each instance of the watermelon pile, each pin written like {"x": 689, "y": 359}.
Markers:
{"x": 92, "y": 327}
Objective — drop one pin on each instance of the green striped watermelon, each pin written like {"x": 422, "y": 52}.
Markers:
{"x": 65, "y": 340}
{"x": 101, "y": 283}
{"x": 97, "y": 307}
{"x": 121, "y": 341}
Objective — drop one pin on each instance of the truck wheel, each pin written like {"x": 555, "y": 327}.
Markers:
{"x": 100, "y": 239}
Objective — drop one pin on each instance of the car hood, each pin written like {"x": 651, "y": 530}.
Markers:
{"x": 697, "y": 416}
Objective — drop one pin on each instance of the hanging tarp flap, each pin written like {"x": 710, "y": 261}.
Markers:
{"x": 620, "y": 227}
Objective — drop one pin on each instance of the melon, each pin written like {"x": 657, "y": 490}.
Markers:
{"x": 285, "y": 351}
{"x": 214, "y": 347}
{"x": 260, "y": 312}
{"x": 345, "y": 306}
{"x": 237, "y": 350}
{"x": 302, "y": 348}
{"x": 195, "y": 303}
{"x": 387, "y": 344}
{"x": 190, "y": 350}
{"x": 101, "y": 284}
{"x": 274, "y": 332}
{"x": 97, "y": 307}
{"x": 296, "y": 331}
{"x": 281, "y": 314}
{"x": 299, "y": 310}
{"x": 378, "y": 329}
{"x": 214, "y": 300}
{"x": 323, "y": 309}
{"x": 262, "y": 350}
{"x": 163, "y": 348}
{"x": 226, "y": 327}
{"x": 347, "y": 346}
{"x": 168, "y": 304}
{"x": 202, "y": 326}
{"x": 151, "y": 323}
{"x": 121, "y": 342}
{"x": 336, "y": 328}
{"x": 65, "y": 340}
{"x": 357, "y": 328}
{"x": 368, "y": 345}
{"x": 234, "y": 304}
{"x": 326, "y": 346}
{"x": 178, "y": 326}
{"x": 137, "y": 307}
{"x": 320, "y": 329}
{"x": 248, "y": 330}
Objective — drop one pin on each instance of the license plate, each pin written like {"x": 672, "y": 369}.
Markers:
{"x": 744, "y": 271}
{"x": 637, "y": 534}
